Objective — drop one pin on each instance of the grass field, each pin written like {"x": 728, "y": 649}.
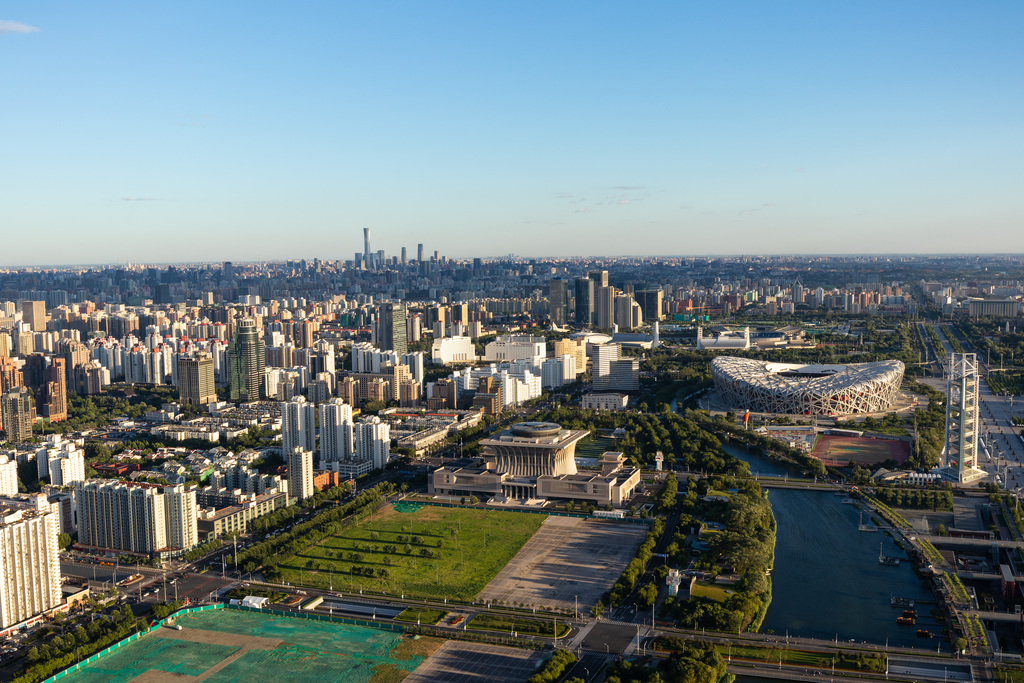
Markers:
{"x": 710, "y": 590}
{"x": 421, "y": 615}
{"x": 428, "y": 552}
{"x": 523, "y": 625}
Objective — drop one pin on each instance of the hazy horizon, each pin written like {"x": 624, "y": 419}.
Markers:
{"x": 257, "y": 131}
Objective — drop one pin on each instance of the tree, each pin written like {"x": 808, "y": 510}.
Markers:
{"x": 64, "y": 541}
{"x": 473, "y": 500}
{"x": 941, "y": 530}
{"x": 960, "y": 644}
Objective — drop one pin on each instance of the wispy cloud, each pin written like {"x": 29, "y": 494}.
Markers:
{"x": 140, "y": 199}
{"x": 629, "y": 187}
{"x": 16, "y": 27}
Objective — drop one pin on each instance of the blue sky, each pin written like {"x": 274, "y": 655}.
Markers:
{"x": 194, "y": 131}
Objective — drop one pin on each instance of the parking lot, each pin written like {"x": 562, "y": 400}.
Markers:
{"x": 568, "y": 558}
{"x": 457, "y": 662}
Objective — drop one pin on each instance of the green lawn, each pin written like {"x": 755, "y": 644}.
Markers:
{"x": 711, "y": 590}
{"x": 431, "y": 552}
{"x": 524, "y": 625}
{"x": 421, "y": 615}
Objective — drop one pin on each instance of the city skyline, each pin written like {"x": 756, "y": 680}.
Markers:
{"x": 247, "y": 133}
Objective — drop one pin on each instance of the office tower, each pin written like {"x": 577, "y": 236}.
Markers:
{"x": 17, "y": 413}
{"x": 604, "y": 310}
{"x": 627, "y": 313}
{"x": 367, "y": 257}
{"x": 29, "y": 561}
{"x": 138, "y": 518}
{"x": 391, "y": 328}
{"x": 403, "y": 256}
{"x": 602, "y": 357}
{"x": 558, "y": 301}
{"x": 8, "y": 475}
{"x": 245, "y": 361}
{"x": 584, "y": 302}
{"x": 300, "y": 474}
{"x": 460, "y": 313}
{"x": 960, "y": 456}
{"x": 577, "y": 348}
{"x": 650, "y": 303}
{"x": 196, "y": 380}
{"x": 298, "y": 425}
{"x": 47, "y": 377}
{"x": 419, "y": 253}
{"x": 336, "y": 437}
{"x": 599, "y": 278}
{"x": 373, "y": 442}
{"x": 321, "y": 359}
{"x": 33, "y": 313}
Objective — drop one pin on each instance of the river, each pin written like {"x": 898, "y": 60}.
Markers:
{"x": 827, "y": 582}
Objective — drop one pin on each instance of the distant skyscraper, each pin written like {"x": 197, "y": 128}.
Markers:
{"x": 298, "y": 425}
{"x": 558, "y": 301}
{"x": 391, "y": 328}
{"x": 419, "y": 253}
{"x": 403, "y": 256}
{"x": 584, "y": 302}
{"x": 604, "y": 309}
{"x": 34, "y": 314}
{"x": 300, "y": 474}
{"x": 366, "y": 246}
{"x": 600, "y": 278}
{"x": 245, "y": 361}
{"x": 650, "y": 303}
{"x": 336, "y": 437}
{"x": 195, "y": 380}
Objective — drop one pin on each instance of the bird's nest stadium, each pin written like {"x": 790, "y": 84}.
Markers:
{"x": 746, "y": 384}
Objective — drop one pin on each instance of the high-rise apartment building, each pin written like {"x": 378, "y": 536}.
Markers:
{"x": 558, "y": 301}
{"x": 29, "y": 561}
{"x": 10, "y": 375}
{"x": 245, "y": 361}
{"x": 17, "y": 414}
{"x": 137, "y": 518}
{"x": 391, "y": 328}
{"x": 584, "y": 302}
{"x": 196, "y": 380}
{"x": 33, "y": 313}
{"x": 8, "y": 475}
{"x": 300, "y": 474}
{"x": 336, "y": 434}
{"x": 373, "y": 442}
{"x": 298, "y": 425}
{"x": 47, "y": 376}
{"x": 62, "y": 461}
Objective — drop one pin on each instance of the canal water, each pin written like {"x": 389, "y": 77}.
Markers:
{"x": 827, "y": 582}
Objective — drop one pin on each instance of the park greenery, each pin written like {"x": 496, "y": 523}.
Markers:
{"x": 554, "y": 668}
{"x": 744, "y": 548}
{"x": 288, "y": 543}
{"x": 631, "y": 575}
{"x": 695, "y": 662}
{"x": 506, "y": 623}
{"x": 684, "y": 443}
{"x": 429, "y": 552}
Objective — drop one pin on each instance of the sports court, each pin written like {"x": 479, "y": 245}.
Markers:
{"x": 838, "y": 451}
{"x": 568, "y": 557}
{"x": 227, "y": 645}
{"x": 457, "y": 662}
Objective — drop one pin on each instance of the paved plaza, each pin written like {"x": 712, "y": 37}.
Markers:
{"x": 457, "y": 662}
{"x": 568, "y": 558}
